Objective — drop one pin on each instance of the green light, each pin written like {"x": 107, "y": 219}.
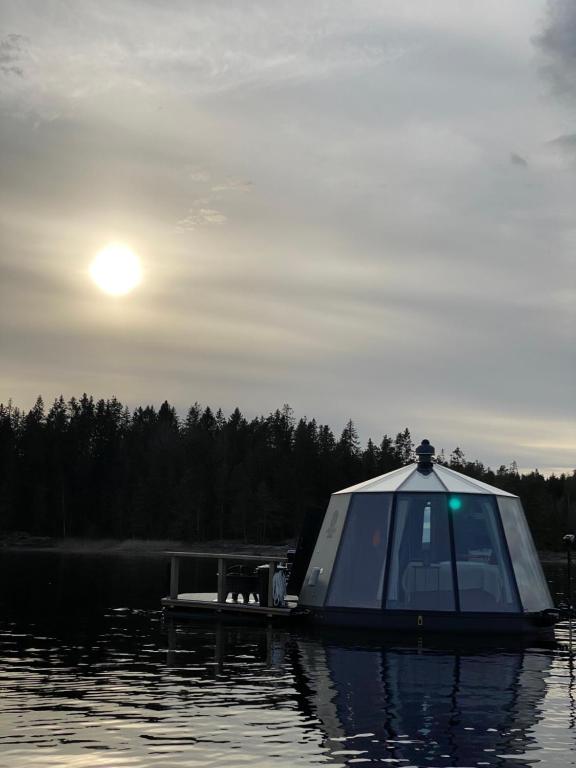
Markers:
{"x": 455, "y": 503}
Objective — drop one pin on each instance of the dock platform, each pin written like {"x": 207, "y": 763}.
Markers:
{"x": 222, "y": 601}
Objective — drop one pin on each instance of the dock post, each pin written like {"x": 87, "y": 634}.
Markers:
{"x": 172, "y": 645}
{"x": 222, "y": 594}
{"x": 271, "y": 570}
{"x": 174, "y": 577}
{"x": 218, "y": 650}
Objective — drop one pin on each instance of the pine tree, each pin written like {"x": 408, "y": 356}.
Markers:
{"x": 404, "y": 447}
{"x": 95, "y": 469}
{"x": 370, "y": 461}
{"x": 457, "y": 459}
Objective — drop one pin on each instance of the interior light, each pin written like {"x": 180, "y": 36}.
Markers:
{"x": 455, "y": 503}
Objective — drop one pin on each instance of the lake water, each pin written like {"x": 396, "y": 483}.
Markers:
{"x": 91, "y": 675}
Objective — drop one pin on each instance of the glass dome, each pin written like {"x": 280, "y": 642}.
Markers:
{"x": 425, "y": 539}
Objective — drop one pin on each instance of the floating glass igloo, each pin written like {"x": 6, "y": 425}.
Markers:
{"x": 425, "y": 546}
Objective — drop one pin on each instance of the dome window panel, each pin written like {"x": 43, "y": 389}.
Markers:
{"x": 421, "y": 574}
{"x": 532, "y": 585}
{"x": 358, "y": 577}
{"x": 485, "y": 581}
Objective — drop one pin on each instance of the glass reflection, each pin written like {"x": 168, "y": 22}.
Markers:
{"x": 358, "y": 578}
{"x": 401, "y": 704}
{"x": 484, "y": 578}
{"x": 421, "y": 575}
{"x": 113, "y": 686}
{"x": 526, "y": 563}
{"x": 424, "y": 706}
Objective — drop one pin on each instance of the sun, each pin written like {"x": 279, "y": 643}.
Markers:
{"x": 116, "y": 269}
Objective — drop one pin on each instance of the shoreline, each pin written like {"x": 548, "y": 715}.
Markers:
{"x": 159, "y": 547}
{"x": 134, "y": 547}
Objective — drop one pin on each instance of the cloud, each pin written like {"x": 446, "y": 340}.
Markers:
{"x": 203, "y": 212}
{"x": 558, "y": 153}
{"x": 200, "y": 175}
{"x": 12, "y": 55}
{"x": 566, "y": 142}
{"x": 557, "y": 41}
{"x": 199, "y": 216}
{"x": 233, "y": 185}
{"x": 523, "y": 435}
{"x": 169, "y": 50}
{"x": 355, "y": 229}
{"x": 518, "y": 160}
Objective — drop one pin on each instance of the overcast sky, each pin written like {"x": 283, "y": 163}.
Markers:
{"x": 366, "y": 210}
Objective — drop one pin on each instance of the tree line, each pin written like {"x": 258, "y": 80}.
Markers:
{"x": 87, "y": 468}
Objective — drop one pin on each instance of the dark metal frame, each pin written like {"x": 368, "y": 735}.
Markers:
{"x": 453, "y": 561}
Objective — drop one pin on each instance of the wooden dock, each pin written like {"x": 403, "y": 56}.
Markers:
{"x": 219, "y": 602}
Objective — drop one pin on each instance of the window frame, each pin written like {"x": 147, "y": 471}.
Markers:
{"x": 506, "y": 561}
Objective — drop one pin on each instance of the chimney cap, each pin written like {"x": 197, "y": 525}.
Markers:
{"x": 424, "y": 453}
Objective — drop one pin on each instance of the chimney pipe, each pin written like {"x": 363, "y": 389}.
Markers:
{"x": 424, "y": 454}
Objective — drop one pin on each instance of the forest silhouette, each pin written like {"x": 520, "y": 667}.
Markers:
{"x": 94, "y": 469}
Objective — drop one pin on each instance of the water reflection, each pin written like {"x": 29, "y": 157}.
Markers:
{"x": 420, "y": 705}
{"x": 410, "y": 705}
{"x": 105, "y": 686}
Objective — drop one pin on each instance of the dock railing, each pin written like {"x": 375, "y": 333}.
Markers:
{"x": 222, "y": 559}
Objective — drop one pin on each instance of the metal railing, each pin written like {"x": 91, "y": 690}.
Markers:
{"x": 222, "y": 559}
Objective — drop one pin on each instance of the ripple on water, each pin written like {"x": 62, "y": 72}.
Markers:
{"x": 121, "y": 688}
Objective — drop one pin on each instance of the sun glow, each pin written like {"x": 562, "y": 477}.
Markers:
{"x": 116, "y": 269}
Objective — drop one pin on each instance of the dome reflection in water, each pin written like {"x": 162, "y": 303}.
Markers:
{"x": 87, "y": 682}
{"x": 404, "y": 704}
{"x": 417, "y": 705}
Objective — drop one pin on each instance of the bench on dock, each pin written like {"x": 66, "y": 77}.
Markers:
{"x": 228, "y": 582}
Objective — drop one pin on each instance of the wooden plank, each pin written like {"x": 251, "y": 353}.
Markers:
{"x": 231, "y": 556}
{"x": 221, "y": 581}
{"x": 208, "y": 597}
{"x": 174, "y": 576}
{"x": 212, "y": 597}
{"x": 217, "y": 607}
